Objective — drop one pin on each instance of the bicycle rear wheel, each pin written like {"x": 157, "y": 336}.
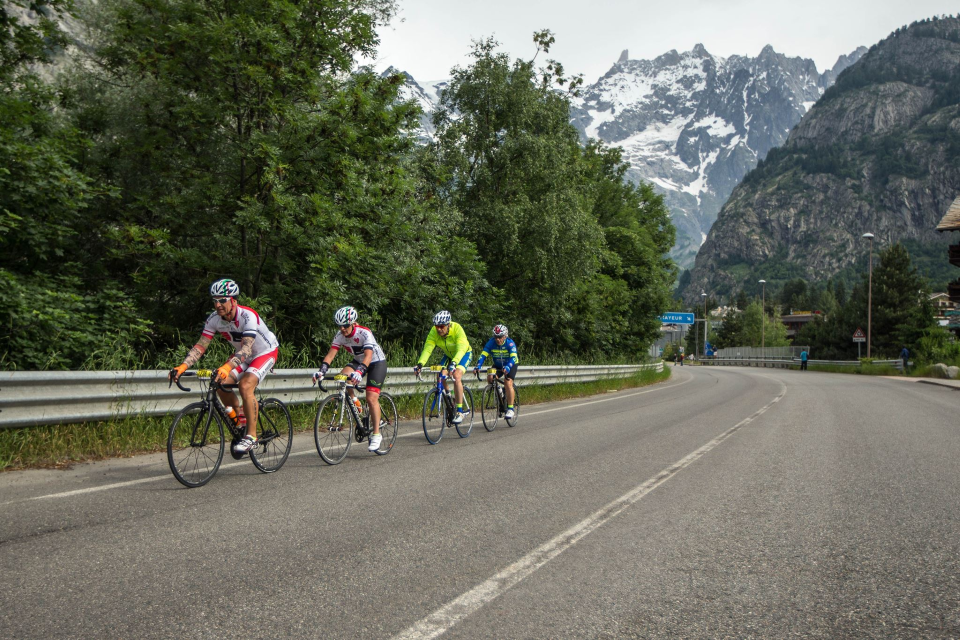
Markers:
{"x": 195, "y": 445}
{"x": 434, "y": 416}
{"x": 389, "y": 423}
{"x": 489, "y": 408}
{"x": 466, "y": 425}
{"x": 512, "y": 422}
{"x": 333, "y": 430}
{"x": 274, "y": 436}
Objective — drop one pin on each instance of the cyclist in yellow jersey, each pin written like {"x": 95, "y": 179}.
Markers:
{"x": 452, "y": 340}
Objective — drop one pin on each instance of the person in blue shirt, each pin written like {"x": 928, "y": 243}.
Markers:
{"x": 803, "y": 360}
{"x": 503, "y": 353}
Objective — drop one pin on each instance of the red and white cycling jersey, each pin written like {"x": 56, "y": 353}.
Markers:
{"x": 246, "y": 322}
{"x": 359, "y": 340}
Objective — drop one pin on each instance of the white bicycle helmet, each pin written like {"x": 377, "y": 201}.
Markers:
{"x": 442, "y": 318}
{"x": 345, "y": 316}
{"x": 224, "y": 287}
{"x": 500, "y": 331}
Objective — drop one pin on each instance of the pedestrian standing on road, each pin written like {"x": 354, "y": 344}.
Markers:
{"x": 681, "y": 356}
{"x": 904, "y": 355}
{"x": 803, "y": 360}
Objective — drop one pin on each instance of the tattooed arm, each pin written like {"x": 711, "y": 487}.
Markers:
{"x": 246, "y": 350}
{"x": 197, "y": 352}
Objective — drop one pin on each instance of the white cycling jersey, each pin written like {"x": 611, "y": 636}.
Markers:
{"x": 358, "y": 341}
{"x": 246, "y": 322}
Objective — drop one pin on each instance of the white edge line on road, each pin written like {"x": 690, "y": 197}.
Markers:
{"x": 167, "y": 476}
{"x": 456, "y": 610}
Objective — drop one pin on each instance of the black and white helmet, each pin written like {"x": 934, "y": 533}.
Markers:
{"x": 345, "y": 316}
{"x": 442, "y": 318}
{"x": 500, "y": 331}
{"x": 224, "y": 287}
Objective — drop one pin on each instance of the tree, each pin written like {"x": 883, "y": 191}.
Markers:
{"x": 245, "y": 144}
{"x": 579, "y": 254}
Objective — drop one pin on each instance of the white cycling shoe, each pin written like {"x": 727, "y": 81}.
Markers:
{"x": 375, "y": 441}
{"x": 510, "y": 414}
{"x": 245, "y": 444}
{"x": 457, "y": 419}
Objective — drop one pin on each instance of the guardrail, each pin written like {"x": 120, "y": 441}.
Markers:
{"x": 784, "y": 363}
{"x": 29, "y": 398}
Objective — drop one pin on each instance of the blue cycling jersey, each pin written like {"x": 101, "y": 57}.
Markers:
{"x": 501, "y": 354}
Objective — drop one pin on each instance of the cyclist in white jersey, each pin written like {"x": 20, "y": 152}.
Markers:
{"x": 368, "y": 359}
{"x": 256, "y": 353}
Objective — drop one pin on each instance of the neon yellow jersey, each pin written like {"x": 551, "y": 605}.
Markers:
{"x": 455, "y": 346}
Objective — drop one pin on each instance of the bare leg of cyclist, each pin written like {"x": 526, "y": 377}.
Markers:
{"x": 248, "y": 384}
{"x": 508, "y": 383}
{"x": 373, "y": 403}
{"x": 458, "y": 386}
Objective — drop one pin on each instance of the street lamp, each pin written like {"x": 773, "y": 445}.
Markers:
{"x": 869, "y": 236}
{"x": 763, "y": 308}
{"x": 703, "y": 295}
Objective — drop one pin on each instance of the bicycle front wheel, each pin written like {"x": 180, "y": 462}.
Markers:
{"x": 389, "y": 423}
{"x": 489, "y": 408}
{"x": 333, "y": 430}
{"x": 512, "y": 422}
{"x": 434, "y": 416}
{"x": 275, "y": 436}
{"x": 195, "y": 445}
{"x": 466, "y": 425}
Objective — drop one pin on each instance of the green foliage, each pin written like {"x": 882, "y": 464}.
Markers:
{"x": 901, "y": 313}
{"x": 578, "y": 253}
{"x": 51, "y": 322}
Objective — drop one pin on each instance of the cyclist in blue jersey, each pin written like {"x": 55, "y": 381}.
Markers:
{"x": 502, "y": 352}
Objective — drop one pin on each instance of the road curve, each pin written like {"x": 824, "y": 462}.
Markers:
{"x": 724, "y": 502}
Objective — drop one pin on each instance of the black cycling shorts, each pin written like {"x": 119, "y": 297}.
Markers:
{"x": 376, "y": 373}
{"x": 512, "y": 374}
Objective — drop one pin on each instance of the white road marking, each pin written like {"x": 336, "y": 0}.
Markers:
{"x": 456, "y": 610}
{"x": 167, "y": 476}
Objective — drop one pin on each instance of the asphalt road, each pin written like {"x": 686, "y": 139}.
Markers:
{"x": 725, "y": 502}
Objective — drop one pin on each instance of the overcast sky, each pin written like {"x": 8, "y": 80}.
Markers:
{"x": 428, "y": 37}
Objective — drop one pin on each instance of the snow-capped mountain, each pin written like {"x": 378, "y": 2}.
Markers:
{"x": 691, "y": 123}
{"x": 694, "y": 124}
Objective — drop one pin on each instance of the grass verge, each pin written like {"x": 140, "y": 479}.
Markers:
{"x": 59, "y": 446}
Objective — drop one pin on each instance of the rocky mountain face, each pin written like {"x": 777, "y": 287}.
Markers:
{"x": 694, "y": 124}
{"x": 878, "y": 153}
{"x": 691, "y": 123}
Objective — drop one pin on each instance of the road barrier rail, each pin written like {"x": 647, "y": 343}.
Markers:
{"x": 787, "y": 362}
{"x": 31, "y": 398}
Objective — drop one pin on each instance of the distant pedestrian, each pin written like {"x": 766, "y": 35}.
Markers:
{"x": 904, "y": 355}
{"x": 681, "y": 356}
{"x": 803, "y": 360}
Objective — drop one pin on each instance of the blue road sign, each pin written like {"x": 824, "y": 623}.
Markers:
{"x": 676, "y": 318}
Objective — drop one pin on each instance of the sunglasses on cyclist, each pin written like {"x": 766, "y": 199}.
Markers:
{"x": 220, "y": 300}
{"x": 441, "y": 326}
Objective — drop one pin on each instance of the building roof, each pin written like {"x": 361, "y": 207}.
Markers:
{"x": 951, "y": 221}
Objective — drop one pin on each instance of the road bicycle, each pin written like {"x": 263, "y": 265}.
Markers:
{"x": 341, "y": 419}
{"x": 196, "y": 440}
{"x": 440, "y": 407}
{"x": 493, "y": 402}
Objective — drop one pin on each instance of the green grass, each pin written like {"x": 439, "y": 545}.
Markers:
{"x": 59, "y": 446}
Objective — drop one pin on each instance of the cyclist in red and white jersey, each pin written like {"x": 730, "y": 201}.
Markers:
{"x": 256, "y": 353}
{"x": 368, "y": 359}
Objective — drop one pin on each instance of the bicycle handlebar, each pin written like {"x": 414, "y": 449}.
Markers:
{"x": 340, "y": 378}
{"x": 203, "y": 373}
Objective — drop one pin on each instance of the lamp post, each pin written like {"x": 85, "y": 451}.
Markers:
{"x": 763, "y": 309}
{"x": 703, "y": 295}
{"x": 869, "y": 236}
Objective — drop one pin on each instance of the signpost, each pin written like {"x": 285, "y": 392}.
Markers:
{"x": 676, "y": 318}
{"x": 858, "y": 337}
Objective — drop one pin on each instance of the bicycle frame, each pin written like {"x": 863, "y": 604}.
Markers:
{"x": 442, "y": 391}
{"x": 210, "y": 399}
{"x": 498, "y": 385}
{"x": 361, "y": 431}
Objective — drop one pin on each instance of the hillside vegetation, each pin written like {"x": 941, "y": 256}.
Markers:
{"x": 190, "y": 140}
